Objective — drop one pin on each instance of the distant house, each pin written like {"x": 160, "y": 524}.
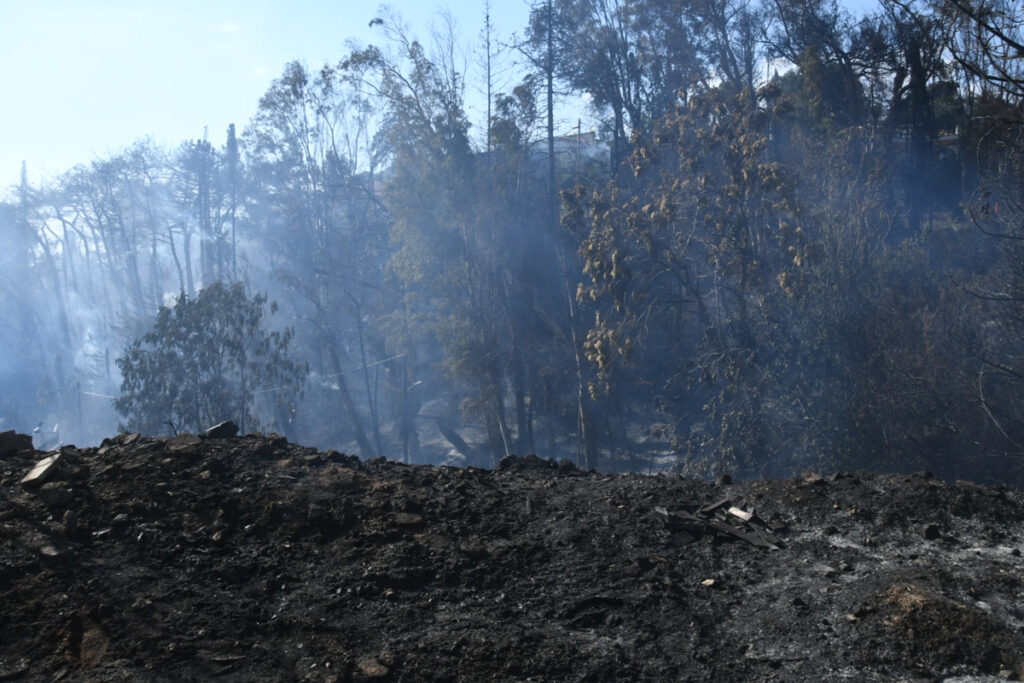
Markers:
{"x": 575, "y": 152}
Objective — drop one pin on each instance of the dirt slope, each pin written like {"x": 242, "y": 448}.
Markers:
{"x": 250, "y": 558}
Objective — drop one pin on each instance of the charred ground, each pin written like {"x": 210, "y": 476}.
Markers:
{"x": 252, "y": 558}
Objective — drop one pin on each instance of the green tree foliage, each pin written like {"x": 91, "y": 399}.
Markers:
{"x": 685, "y": 261}
{"x": 776, "y": 270}
{"x": 760, "y": 264}
{"x": 313, "y": 167}
{"x": 448, "y": 255}
{"x": 207, "y": 359}
{"x": 634, "y": 58}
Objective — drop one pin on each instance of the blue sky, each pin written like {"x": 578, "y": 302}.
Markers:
{"x": 85, "y": 77}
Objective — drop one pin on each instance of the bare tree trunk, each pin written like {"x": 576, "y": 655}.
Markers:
{"x": 346, "y": 399}
{"x": 188, "y": 263}
{"x": 370, "y": 394}
{"x": 549, "y": 76}
{"x": 524, "y": 434}
{"x": 177, "y": 261}
{"x": 488, "y": 30}
{"x": 58, "y": 289}
{"x": 494, "y": 420}
{"x": 231, "y": 154}
{"x": 499, "y": 405}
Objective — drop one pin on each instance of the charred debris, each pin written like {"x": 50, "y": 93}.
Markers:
{"x": 254, "y": 558}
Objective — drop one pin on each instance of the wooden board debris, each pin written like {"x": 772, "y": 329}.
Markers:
{"x": 42, "y": 471}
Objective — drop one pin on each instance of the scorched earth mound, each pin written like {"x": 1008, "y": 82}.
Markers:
{"x": 250, "y": 558}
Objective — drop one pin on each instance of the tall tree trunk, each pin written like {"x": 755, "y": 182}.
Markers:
{"x": 549, "y": 76}
{"x": 58, "y": 290}
{"x": 497, "y": 440}
{"x": 488, "y": 29}
{"x": 346, "y": 398}
{"x": 177, "y": 261}
{"x": 371, "y": 399}
{"x": 583, "y": 422}
{"x": 188, "y": 262}
{"x": 524, "y": 433}
{"x": 231, "y": 156}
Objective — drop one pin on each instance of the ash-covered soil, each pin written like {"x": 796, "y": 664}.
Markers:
{"x": 250, "y": 558}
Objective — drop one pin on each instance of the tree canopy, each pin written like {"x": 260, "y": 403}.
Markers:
{"x": 208, "y": 359}
{"x": 791, "y": 240}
